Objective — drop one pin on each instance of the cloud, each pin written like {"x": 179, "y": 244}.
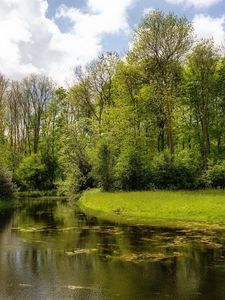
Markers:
{"x": 31, "y": 42}
{"x": 207, "y": 27}
{"x": 195, "y": 3}
{"x": 146, "y": 11}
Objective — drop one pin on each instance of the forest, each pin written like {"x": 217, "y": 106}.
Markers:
{"x": 152, "y": 119}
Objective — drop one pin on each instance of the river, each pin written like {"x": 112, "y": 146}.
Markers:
{"x": 51, "y": 250}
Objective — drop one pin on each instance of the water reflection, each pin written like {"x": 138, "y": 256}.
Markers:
{"x": 50, "y": 250}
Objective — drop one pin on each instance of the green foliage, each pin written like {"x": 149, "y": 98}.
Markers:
{"x": 132, "y": 171}
{"x": 152, "y": 120}
{"x": 37, "y": 194}
{"x": 202, "y": 64}
{"x": 173, "y": 174}
{"x": 76, "y": 180}
{"x": 215, "y": 175}
{"x": 104, "y": 167}
{"x": 52, "y": 170}
{"x": 74, "y": 161}
{"x": 32, "y": 174}
{"x": 7, "y": 188}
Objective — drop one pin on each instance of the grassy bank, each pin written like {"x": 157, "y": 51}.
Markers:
{"x": 167, "y": 208}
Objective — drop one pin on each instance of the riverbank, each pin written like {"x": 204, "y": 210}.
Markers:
{"x": 161, "y": 208}
{"x": 37, "y": 194}
{"x": 6, "y": 204}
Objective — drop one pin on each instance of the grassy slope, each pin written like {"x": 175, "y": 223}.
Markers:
{"x": 157, "y": 207}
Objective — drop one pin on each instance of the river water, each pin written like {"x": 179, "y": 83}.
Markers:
{"x": 50, "y": 250}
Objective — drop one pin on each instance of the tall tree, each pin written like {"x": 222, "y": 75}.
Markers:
{"x": 160, "y": 43}
{"x": 202, "y": 66}
{"x": 94, "y": 89}
{"x": 38, "y": 92}
{"x": 3, "y": 87}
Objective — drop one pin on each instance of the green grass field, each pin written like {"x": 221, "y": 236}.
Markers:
{"x": 175, "y": 208}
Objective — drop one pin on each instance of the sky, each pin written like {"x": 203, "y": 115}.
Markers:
{"x": 52, "y": 37}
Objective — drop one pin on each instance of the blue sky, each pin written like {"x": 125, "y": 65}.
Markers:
{"x": 54, "y": 36}
{"x": 120, "y": 42}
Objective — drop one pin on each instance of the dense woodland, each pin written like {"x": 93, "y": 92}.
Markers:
{"x": 154, "y": 119}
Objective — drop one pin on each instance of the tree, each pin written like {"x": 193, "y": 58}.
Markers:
{"x": 104, "y": 167}
{"x": 7, "y": 188}
{"x": 3, "y": 88}
{"x": 93, "y": 92}
{"x": 38, "y": 91}
{"x": 74, "y": 160}
{"x": 202, "y": 64}
{"x": 160, "y": 43}
{"x": 218, "y": 120}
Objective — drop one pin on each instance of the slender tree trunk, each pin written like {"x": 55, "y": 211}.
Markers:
{"x": 169, "y": 128}
{"x": 161, "y": 136}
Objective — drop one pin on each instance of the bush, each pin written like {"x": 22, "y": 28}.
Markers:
{"x": 173, "y": 174}
{"x": 132, "y": 171}
{"x": 36, "y": 173}
{"x": 76, "y": 173}
{"x": 215, "y": 175}
{"x": 77, "y": 180}
{"x": 51, "y": 171}
{"x": 7, "y": 188}
{"x": 31, "y": 173}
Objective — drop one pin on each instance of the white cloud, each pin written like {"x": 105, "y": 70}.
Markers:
{"x": 207, "y": 27}
{"x": 103, "y": 17}
{"x": 195, "y": 3}
{"x": 147, "y": 11}
{"x": 30, "y": 42}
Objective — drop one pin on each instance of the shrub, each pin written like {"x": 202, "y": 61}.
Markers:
{"x": 76, "y": 173}
{"x": 132, "y": 171}
{"x": 215, "y": 175}
{"x": 36, "y": 172}
{"x": 7, "y": 188}
{"x": 78, "y": 179}
{"x": 31, "y": 173}
{"x": 173, "y": 174}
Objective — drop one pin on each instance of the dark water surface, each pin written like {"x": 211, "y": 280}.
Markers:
{"x": 49, "y": 250}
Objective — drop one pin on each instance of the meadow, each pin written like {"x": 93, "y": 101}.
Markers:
{"x": 186, "y": 208}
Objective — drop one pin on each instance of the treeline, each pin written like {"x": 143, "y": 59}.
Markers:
{"x": 154, "y": 119}
{"x": 32, "y": 120}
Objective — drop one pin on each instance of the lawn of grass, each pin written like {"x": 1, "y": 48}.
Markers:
{"x": 157, "y": 207}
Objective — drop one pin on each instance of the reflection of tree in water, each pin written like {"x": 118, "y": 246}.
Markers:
{"x": 185, "y": 276}
{"x": 40, "y": 211}
{"x": 5, "y": 219}
{"x": 191, "y": 265}
{"x": 108, "y": 245}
